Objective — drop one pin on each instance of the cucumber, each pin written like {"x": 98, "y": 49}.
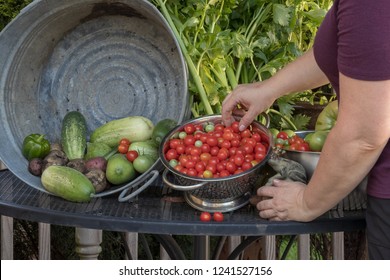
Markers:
{"x": 162, "y": 128}
{"x": 74, "y": 135}
{"x": 134, "y": 128}
{"x": 67, "y": 183}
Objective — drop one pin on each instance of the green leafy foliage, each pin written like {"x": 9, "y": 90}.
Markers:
{"x": 227, "y": 42}
{"x": 9, "y": 9}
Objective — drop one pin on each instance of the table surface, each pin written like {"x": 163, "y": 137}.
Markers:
{"x": 153, "y": 212}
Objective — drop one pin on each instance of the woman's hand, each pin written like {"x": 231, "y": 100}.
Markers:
{"x": 283, "y": 201}
{"x": 248, "y": 101}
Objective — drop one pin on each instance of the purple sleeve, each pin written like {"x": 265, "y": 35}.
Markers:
{"x": 364, "y": 39}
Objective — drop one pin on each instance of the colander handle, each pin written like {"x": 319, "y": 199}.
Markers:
{"x": 123, "y": 197}
{"x": 179, "y": 187}
{"x": 267, "y": 119}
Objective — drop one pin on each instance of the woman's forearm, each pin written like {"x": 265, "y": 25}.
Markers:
{"x": 353, "y": 145}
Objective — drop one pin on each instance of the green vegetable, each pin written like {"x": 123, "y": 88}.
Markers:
{"x": 35, "y": 146}
{"x": 316, "y": 140}
{"x": 230, "y": 42}
{"x": 328, "y": 116}
{"x": 119, "y": 170}
{"x": 97, "y": 150}
{"x": 134, "y": 128}
{"x": 74, "y": 135}
{"x": 142, "y": 163}
{"x": 67, "y": 183}
{"x": 148, "y": 147}
{"x": 162, "y": 128}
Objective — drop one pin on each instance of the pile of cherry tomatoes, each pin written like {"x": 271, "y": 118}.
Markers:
{"x": 213, "y": 150}
{"x": 291, "y": 142}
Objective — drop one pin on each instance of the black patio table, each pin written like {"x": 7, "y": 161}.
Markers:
{"x": 158, "y": 210}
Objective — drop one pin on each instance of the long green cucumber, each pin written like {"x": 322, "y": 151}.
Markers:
{"x": 67, "y": 183}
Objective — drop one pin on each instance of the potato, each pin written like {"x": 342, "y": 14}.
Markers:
{"x": 98, "y": 179}
{"x": 35, "y": 166}
{"x": 96, "y": 163}
{"x": 78, "y": 164}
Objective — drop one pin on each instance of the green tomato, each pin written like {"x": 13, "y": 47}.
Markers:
{"x": 308, "y": 137}
{"x": 328, "y": 116}
{"x": 142, "y": 163}
{"x": 316, "y": 140}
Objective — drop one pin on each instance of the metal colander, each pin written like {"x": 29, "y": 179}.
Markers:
{"x": 215, "y": 194}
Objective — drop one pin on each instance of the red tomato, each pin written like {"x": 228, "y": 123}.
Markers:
{"x": 248, "y": 149}
{"x": 223, "y": 154}
{"x": 205, "y": 157}
{"x": 228, "y": 135}
{"x": 212, "y": 168}
{"x": 200, "y": 166}
{"x": 173, "y": 143}
{"x": 303, "y": 147}
{"x": 212, "y": 141}
{"x": 189, "y": 128}
{"x": 282, "y": 135}
{"x": 170, "y": 154}
{"x": 124, "y": 141}
{"x": 259, "y": 156}
{"x": 246, "y": 165}
{"x": 189, "y": 140}
{"x": 239, "y": 160}
{"x": 131, "y": 155}
{"x": 218, "y": 217}
{"x": 235, "y": 126}
{"x": 260, "y": 148}
{"x": 214, "y": 150}
{"x": 224, "y": 173}
{"x": 180, "y": 149}
{"x": 219, "y": 127}
{"x": 231, "y": 167}
{"x": 123, "y": 148}
{"x": 256, "y": 136}
{"x": 205, "y": 216}
{"x": 192, "y": 172}
{"x": 246, "y": 133}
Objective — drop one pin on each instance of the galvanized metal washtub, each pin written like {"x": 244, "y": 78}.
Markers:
{"x": 106, "y": 59}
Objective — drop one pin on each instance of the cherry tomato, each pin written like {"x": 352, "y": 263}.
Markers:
{"x": 218, "y": 217}
{"x": 189, "y": 128}
{"x": 246, "y": 165}
{"x": 189, "y": 140}
{"x": 124, "y": 141}
{"x": 131, "y": 155}
{"x": 212, "y": 141}
{"x": 238, "y": 160}
{"x": 231, "y": 167}
{"x": 207, "y": 174}
{"x": 123, "y": 148}
{"x": 235, "y": 126}
{"x": 282, "y": 135}
{"x": 256, "y": 136}
{"x": 205, "y": 217}
{"x": 246, "y": 133}
{"x": 171, "y": 154}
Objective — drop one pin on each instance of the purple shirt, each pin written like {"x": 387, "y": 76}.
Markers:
{"x": 354, "y": 39}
